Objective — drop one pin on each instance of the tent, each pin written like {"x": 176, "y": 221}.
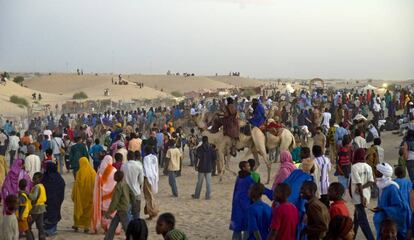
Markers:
{"x": 368, "y": 87}
{"x": 289, "y": 88}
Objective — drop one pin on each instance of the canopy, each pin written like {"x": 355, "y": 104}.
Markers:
{"x": 359, "y": 117}
{"x": 368, "y": 87}
{"x": 289, "y": 88}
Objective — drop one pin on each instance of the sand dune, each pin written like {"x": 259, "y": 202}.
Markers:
{"x": 238, "y": 81}
{"x": 178, "y": 83}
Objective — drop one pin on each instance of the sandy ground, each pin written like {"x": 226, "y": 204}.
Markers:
{"x": 202, "y": 219}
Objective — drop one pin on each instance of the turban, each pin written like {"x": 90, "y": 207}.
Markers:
{"x": 385, "y": 169}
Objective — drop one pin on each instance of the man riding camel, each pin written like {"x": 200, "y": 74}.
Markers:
{"x": 259, "y": 115}
{"x": 227, "y": 117}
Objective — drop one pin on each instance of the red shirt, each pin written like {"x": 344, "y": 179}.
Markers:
{"x": 285, "y": 218}
{"x": 117, "y": 165}
{"x": 338, "y": 208}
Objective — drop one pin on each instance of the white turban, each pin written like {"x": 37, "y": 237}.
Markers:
{"x": 385, "y": 169}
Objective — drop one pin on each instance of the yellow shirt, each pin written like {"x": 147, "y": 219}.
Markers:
{"x": 174, "y": 154}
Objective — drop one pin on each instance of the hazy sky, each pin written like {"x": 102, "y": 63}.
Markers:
{"x": 259, "y": 38}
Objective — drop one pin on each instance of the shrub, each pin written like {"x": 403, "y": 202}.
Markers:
{"x": 80, "y": 95}
{"x": 18, "y": 79}
{"x": 249, "y": 92}
{"x": 19, "y": 101}
{"x": 176, "y": 94}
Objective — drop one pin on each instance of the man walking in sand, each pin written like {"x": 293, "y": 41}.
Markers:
{"x": 204, "y": 161}
{"x": 151, "y": 178}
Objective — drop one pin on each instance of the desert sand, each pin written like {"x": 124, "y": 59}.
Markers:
{"x": 203, "y": 219}
{"x": 200, "y": 219}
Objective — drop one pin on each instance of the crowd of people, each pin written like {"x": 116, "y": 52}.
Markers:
{"x": 116, "y": 159}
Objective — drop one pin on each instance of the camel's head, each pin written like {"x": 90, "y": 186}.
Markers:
{"x": 198, "y": 120}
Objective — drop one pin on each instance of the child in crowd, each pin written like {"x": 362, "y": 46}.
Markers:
{"x": 10, "y": 229}
{"x": 47, "y": 158}
{"x": 255, "y": 175}
{"x": 25, "y": 206}
{"x": 317, "y": 213}
{"x": 241, "y": 201}
{"x": 338, "y": 206}
{"x": 340, "y": 228}
{"x": 259, "y": 214}
{"x": 120, "y": 203}
{"x": 166, "y": 227}
{"x": 38, "y": 198}
{"x": 137, "y": 230}
{"x": 118, "y": 161}
{"x": 404, "y": 183}
{"x": 389, "y": 230}
{"x": 285, "y": 217}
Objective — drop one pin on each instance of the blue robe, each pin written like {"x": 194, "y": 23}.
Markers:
{"x": 240, "y": 204}
{"x": 259, "y": 117}
{"x": 295, "y": 181}
{"x": 259, "y": 218}
{"x": 393, "y": 206}
{"x": 405, "y": 188}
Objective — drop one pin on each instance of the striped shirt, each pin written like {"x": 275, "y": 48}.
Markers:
{"x": 325, "y": 166}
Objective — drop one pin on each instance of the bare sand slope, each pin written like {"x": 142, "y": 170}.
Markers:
{"x": 238, "y": 81}
{"x": 93, "y": 86}
{"x": 10, "y": 109}
{"x": 178, "y": 83}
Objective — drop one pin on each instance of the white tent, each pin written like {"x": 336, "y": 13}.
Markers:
{"x": 368, "y": 87}
{"x": 289, "y": 88}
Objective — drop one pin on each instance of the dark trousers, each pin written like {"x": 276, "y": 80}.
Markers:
{"x": 192, "y": 154}
{"x": 410, "y": 169}
{"x": 361, "y": 220}
{"x": 12, "y": 154}
{"x": 38, "y": 219}
{"x": 120, "y": 217}
{"x": 136, "y": 207}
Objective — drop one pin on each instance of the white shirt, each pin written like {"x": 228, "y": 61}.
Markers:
{"x": 134, "y": 176}
{"x": 376, "y": 107}
{"x": 326, "y": 118}
{"x": 14, "y": 143}
{"x": 10, "y": 227}
{"x": 32, "y": 164}
{"x": 3, "y": 138}
{"x": 151, "y": 171}
{"x": 48, "y": 133}
{"x": 361, "y": 173}
{"x": 360, "y": 142}
{"x": 380, "y": 151}
{"x": 193, "y": 112}
{"x": 56, "y": 144}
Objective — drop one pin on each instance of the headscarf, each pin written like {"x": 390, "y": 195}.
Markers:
{"x": 386, "y": 179}
{"x": 359, "y": 156}
{"x": 104, "y": 186}
{"x": 286, "y": 168}
{"x": 55, "y": 192}
{"x": 137, "y": 230}
{"x": 11, "y": 183}
{"x": 339, "y": 227}
{"x": 15, "y": 174}
{"x": 82, "y": 192}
